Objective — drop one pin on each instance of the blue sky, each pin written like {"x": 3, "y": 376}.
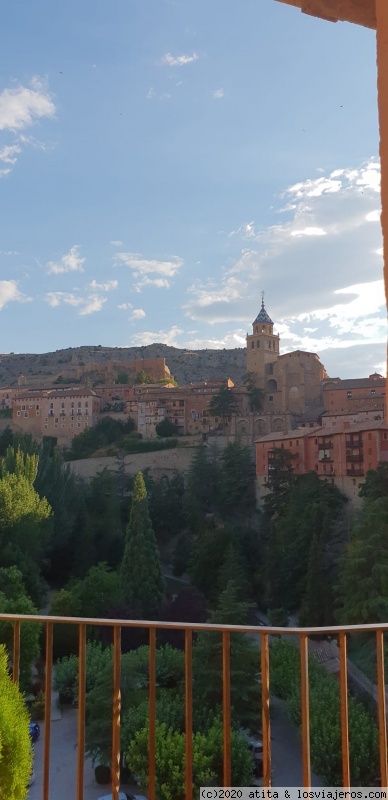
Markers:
{"x": 164, "y": 161}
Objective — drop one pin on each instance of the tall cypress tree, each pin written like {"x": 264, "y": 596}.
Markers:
{"x": 142, "y": 582}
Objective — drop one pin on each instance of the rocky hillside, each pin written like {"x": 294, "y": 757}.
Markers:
{"x": 186, "y": 366}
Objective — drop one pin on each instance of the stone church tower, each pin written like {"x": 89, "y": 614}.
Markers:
{"x": 262, "y": 346}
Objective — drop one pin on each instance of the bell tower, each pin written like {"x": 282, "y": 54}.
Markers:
{"x": 262, "y": 345}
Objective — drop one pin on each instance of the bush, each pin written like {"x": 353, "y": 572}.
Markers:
{"x": 102, "y": 774}
{"x": 325, "y": 721}
{"x": 165, "y": 428}
{"x": 15, "y": 745}
{"x": 37, "y": 707}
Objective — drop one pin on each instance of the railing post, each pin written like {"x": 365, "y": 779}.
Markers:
{"x": 116, "y": 754}
{"x": 344, "y": 709}
{"x": 188, "y": 714}
{"x": 47, "y": 710}
{"x": 226, "y": 706}
{"x": 16, "y": 651}
{"x": 305, "y": 709}
{"x": 265, "y": 714}
{"x": 152, "y": 715}
{"x": 81, "y": 711}
{"x": 381, "y": 707}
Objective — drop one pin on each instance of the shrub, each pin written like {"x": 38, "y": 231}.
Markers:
{"x": 325, "y": 720}
{"x": 15, "y": 746}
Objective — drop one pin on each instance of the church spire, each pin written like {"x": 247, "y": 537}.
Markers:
{"x": 262, "y": 315}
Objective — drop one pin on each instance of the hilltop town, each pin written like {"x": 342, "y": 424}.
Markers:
{"x": 264, "y": 399}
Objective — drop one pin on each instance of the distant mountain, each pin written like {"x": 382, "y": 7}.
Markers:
{"x": 186, "y": 366}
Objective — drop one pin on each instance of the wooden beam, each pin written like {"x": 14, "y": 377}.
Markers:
{"x": 382, "y": 91}
{"x": 361, "y": 12}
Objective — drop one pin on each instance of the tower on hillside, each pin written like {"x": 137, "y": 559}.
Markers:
{"x": 262, "y": 346}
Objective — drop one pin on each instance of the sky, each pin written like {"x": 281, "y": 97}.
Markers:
{"x": 164, "y": 162}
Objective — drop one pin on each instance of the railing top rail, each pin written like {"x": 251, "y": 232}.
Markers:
{"x": 195, "y": 626}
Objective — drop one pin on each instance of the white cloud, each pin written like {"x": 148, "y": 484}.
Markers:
{"x": 22, "y": 106}
{"x": 116, "y": 243}
{"x": 142, "y": 268}
{"x": 70, "y": 262}
{"x": 164, "y": 337}
{"x": 86, "y": 305}
{"x": 179, "y": 61}
{"x": 7, "y": 153}
{"x": 92, "y": 305}
{"x": 218, "y": 94}
{"x": 10, "y": 293}
{"x": 309, "y": 231}
{"x": 105, "y": 287}
{"x": 124, "y": 306}
{"x": 373, "y": 216}
{"x": 55, "y": 299}
{"x": 138, "y": 313}
{"x": 321, "y": 268}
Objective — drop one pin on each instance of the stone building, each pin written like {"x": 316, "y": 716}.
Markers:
{"x": 62, "y": 413}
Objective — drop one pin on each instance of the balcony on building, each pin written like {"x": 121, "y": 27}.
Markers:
{"x": 302, "y": 638}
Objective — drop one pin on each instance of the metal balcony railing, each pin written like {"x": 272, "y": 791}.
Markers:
{"x": 303, "y": 634}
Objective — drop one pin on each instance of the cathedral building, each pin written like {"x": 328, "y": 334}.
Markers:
{"x": 291, "y": 384}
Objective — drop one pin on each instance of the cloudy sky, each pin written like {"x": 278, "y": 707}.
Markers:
{"x": 162, "y": 162}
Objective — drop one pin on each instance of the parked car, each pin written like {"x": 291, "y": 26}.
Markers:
{"x": 34, "y": 731}
{"x": 123, "y": 796}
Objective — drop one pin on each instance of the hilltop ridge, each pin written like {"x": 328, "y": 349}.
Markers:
{"x": 185, "y": 365}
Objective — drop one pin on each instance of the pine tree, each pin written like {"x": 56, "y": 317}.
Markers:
{"x": 244, "y": 665}
{"x": 142, "y": 582}
{"x": 201, "y": 486}
{"x": 232, "y": 571}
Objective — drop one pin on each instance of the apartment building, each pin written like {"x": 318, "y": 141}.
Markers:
{"x": 342, "y": 454}
{"x": 355, "y": 394}
{"x": 56, "y": 412}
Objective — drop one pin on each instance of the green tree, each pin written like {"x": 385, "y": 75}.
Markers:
{"x": 14, "y": 600}
{"x": 15, "y": 746}
{"x": 207, "y": 558}
{"x": 376, "y": 483}
{"x": 201, "y": 488}
{"x": 363, "y": 579}
{"x": 223, "y": 404}
{"x": 255, "y": 394}
{"x": 143, "y": 377}
{"x": 207, "y": 759}
{"x": 280, "y": 480}
{"x": 165, "y": 503}
{"x": 165, "y": 428}
{"x": 237, "y": 480}
{"x": 232, "y": 571}
{"x": 122, "y": 377}
{"x": 142, "y": 582}
{"x": 325, "y": 719}
{"x": 244, "y": 665}
{"x": 24, "y": 530}
{"x": 17, "y": 462}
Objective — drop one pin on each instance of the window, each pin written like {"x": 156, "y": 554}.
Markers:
{"x": 270, "y": 397}
{"x": 30, "y": 405}
{"x": 23, "y": 408}
{"x": 79, "y": 403}
{"x": 37, "y": 406}
{"x": 62, "y": 405}
{"x": 18, "y": 413}
{"x": 71, "y": 405}
{"x": 86, "y": 403}
{"x": 46, "y": 426}
{"x": 373, "y": 391}
{"x": 78, "y": 424}
{"x": 55, "y": 425}
{"x": 71, "y": 425}
{"x": 349, "y": 394}
{"x": 26, "y": 413}
{"x": 37, "y": 413}
{"x": 257, "y": 344}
